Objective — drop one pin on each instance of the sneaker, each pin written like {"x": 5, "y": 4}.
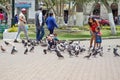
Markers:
{"x": 15, "y": 41}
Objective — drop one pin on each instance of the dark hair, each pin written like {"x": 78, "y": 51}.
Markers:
{"x": 90, "y": 22}
{"x": 55, "y": 34}
{"x": 98, "y": 28}
{"x": 51, "y": 14}
{"x": 40, "y": 8}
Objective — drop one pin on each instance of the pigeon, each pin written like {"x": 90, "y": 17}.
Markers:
{"x": 13, "y": 50}
{"x": 31, "y": 49}
{"x": 101, "y": 51}
{"x": 118, "y": 46}
{"x": 95, "y": 52}
{"x": 32, "y": 43}
{"x": 115, "y": 52}
{"x": 29, "y": 40}
{"x": 7, "y": 43}
{"x": 26, "y": 50}
{"x": 29, "y": 44}
{"x": 109, "y": 48}
{"x": 82, "y": 50}
{"x": 25, "y": 44}
{"x": 59, "y": 54}
{"x": 45, "y": 51}
{"x": 2, "y": 49}
{"x": 69, "y": 49}
{"x": 71, "y": 42}
{"x": 76, "y": 49}
{"x": 70, "y": 53}
{"x": 88, "y": 56}
{"x": 76, "y": 53}
{"x": 23, "y": 41}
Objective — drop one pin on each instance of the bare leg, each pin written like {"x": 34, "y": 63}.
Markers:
{"x": 91, "y": 41}
{"x": 94, "y": 41}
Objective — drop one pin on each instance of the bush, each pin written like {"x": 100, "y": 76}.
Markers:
{"x": 3, "y": 27}
{"x": 13, "y": 29}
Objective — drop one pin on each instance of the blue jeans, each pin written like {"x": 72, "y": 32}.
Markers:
{"x": 40, "y": 33}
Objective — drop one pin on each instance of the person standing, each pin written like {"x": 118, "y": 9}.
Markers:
{"x": 98, "y": 37}
{"x": 39, "y": 23}
{"x": 51, "y": 23}
{"x": 1, "y": 17}
{"x": 16, "y": 19}
{"x": 93, "y": 25}
{"x": 21, "y": 24}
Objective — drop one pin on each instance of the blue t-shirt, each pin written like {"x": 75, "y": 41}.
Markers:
{"x": 98, "y": 38}
{"x": 51, "y": 22}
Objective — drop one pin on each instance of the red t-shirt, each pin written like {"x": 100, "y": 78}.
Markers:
{"x": 93, "y": 26}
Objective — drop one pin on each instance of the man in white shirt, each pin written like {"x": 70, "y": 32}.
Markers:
{"x": 21, "y": 24}
{"x": 39, "y": 23}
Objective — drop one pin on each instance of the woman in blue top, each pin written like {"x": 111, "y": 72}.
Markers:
{"x": 51, "y": 23}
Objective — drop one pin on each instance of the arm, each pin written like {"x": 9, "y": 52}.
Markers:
{"x": 21, "y": 18}
{"x": 54, "y": 21}
{"x": 46, "y": 21}
{"x": 99, "y": 34}
{"x": 40, "y": 18}
{"x": 97, "y": 23}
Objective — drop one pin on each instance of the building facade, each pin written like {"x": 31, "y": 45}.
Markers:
{"x": 29, "y": 5}
{"x": 101, "y": 11}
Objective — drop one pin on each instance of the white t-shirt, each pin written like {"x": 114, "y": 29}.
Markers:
{"x": 22, "y": 20}
{"x": 40, "y": 18}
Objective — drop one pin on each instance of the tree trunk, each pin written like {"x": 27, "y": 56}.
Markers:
{"x": 70, "y": 15}
{"x": 79, "y": 14}
{"x": 110, "y": 16}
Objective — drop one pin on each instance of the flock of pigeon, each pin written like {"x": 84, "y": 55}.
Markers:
{"x": 73, "y": 48}
{"x": 26, "y": 44}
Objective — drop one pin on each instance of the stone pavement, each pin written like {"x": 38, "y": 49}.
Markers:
{"x": 38, "y": 66}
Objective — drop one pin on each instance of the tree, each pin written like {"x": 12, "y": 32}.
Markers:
{"x": 6, "y": 7}
{"x": 110, "y": 14}
{"x": 57, "y": 6}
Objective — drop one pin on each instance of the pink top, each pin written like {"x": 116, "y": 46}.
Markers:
{"x": 1, "y": 16}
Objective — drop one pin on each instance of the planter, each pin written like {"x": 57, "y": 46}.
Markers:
{"x": 9, "y": 35}
{"x": 3, "y": 27}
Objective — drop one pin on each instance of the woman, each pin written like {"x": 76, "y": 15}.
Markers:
{"x": 51, "y": 23}
{"x": 21, "y": 24}
{"x": 93, "y": 25}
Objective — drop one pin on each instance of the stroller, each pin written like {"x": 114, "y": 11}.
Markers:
{"x": 51, "y": 44}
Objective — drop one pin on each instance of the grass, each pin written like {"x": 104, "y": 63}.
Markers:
{"x": 66, "y": 33}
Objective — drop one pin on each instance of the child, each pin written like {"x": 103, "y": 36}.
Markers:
{"x": 52, "y": 40}
{"x": 98, "y": 37}
{"x": 56, "y": 38}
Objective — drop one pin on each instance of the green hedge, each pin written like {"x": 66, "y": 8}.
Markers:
{"x": 3, "y": 27}
{"x": 108, "y": 28}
